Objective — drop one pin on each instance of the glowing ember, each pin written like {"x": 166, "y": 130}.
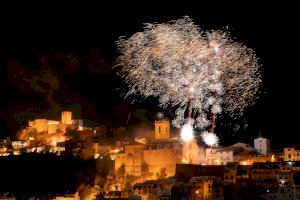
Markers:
{"x": 210, "y": 139}
{"x": 187, "y": 133}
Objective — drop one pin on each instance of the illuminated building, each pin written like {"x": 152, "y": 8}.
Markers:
{"x": 17, "y": 145}
{"x": 157, "y": 153}
{"x": 231, "y": 172}
{"x": 262, "y": 145}
{"x": 239, "y": 152}
{"x": 291, "y": 154}
{"x": 207, "y": 187}
{"x": 265, "y": 171}
{"x": 162, "y": 129}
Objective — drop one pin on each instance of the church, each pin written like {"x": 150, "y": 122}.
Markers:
{"x": 155, "y": 153}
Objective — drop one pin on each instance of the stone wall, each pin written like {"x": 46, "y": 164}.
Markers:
{"x": 52, "y": 128}
{"x": 40, "y": 125}
{"x": 133, "y": 159}
{"x": 119, "y": 160}
{"x": 161, "y": 158}
{"x": 66, "y": 117}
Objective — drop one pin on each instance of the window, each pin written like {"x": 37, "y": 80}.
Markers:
{"x": 226, "y": 177}
{"x": 159, "y": 129}
{"x": 166, "y": 129}
{"x": 231, "y": 177}
{"x": 290, "y": 155}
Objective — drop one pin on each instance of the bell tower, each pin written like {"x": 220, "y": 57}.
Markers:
{"x": 162, "y": 129}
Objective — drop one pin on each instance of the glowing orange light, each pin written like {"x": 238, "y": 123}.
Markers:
{"x": 273, "y": 158}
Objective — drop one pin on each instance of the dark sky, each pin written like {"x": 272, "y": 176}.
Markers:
{"x": 89, "y": 88}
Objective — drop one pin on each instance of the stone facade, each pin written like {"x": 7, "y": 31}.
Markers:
{"x": 291, "y": 154}
{"x": 159, "y": 153}
{"x": 162, "y": 129}
{"x": 66, "y": 117}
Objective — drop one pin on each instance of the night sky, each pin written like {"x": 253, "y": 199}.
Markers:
{"x": 39, "y": 81}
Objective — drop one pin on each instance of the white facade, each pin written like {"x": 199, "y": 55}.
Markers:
{"x": 262, "y": 145}
{"x": 19, "y": 144}
{"x": 218, "y": 156}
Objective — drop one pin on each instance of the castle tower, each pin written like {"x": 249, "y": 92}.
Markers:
{"x": 162, "y": 129}
{"x": 262, "y": 145}
{"x": 66, "y": 117}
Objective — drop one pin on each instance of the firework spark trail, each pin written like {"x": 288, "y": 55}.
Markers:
{"x": 179, "y": 63}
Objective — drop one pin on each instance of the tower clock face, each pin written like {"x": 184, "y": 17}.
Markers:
{"x": 160, "y": 115}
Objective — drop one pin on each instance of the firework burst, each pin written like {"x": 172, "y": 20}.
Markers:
{"x": 189, "y": 69}
{"x": 210, "y": 138}
{"x": 187, "y": 133}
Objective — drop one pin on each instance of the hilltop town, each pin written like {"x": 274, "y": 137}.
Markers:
{"x": 159, "y": 166}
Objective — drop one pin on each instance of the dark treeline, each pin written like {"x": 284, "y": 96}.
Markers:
{"x": 38, "y": 175}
